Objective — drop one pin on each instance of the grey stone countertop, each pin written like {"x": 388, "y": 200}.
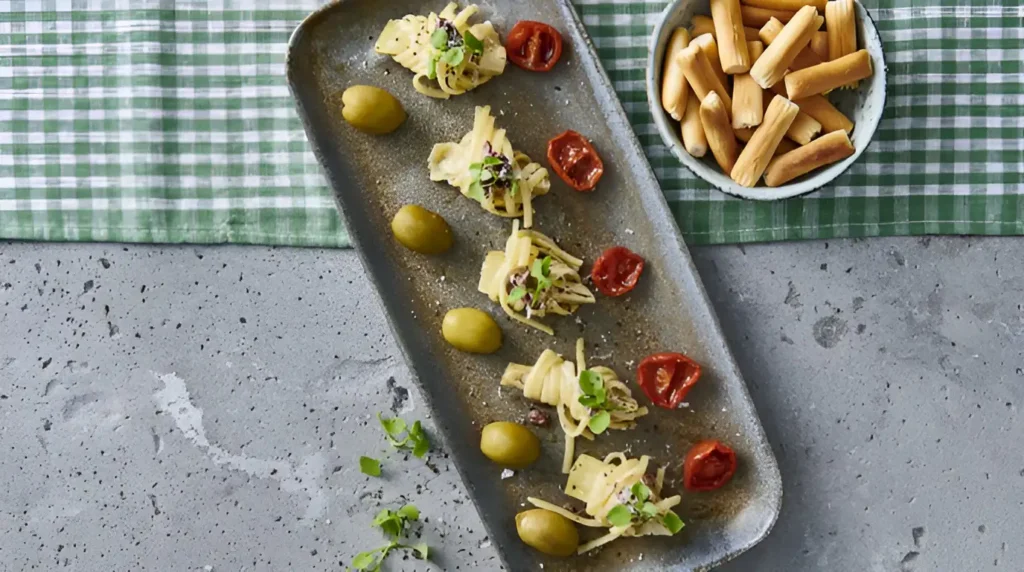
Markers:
{"x": 184, "y": 408}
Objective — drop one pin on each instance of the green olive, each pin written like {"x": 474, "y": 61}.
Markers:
{"x": 549, "y": 532}
{"x": 471, "y": 330}
{"x": 371, "y": 109}
{"x": 421, "y": 230}
{"x": 509, "y": 444}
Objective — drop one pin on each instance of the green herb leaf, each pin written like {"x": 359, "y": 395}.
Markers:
{"x": 541, "y": 268}
{"x": 369, "y": 466}
{"x": 517, "y": 293}
{"x": 473, "y": 44}
{"x": 432, "y": 68}
{"x": 590, "y": 382}
{"x": 382, "y": 516}
{"x": 649, "y": 510}
{"x": 600, "y": 422}
{"x": 420, "y": 443}
{"x": 476, "y": 170}
{"x": 672, "y": 522}
{"x": 422, "y": 550}
{"x": 391, "y": 528}
{"x": 476, "y": 191}
{"x": 515, "y": 188}
{"x": 491, "y": 161}
{"x": 620, "y": 515}
{"x": 589, "y": 401}
{"x": 439, "y": 38}
{"x": 393, "y": 427}
{"x": 364, "y": 560}
{"x": 409, "y": 512}
{"x": 640, "y": 491}
{"x": 453, "y": 56}
{"x": 486, "y": 175}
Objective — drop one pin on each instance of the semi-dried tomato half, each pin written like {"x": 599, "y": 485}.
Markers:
{"x": 534, "y": 46}
{"x": 667, "y": 377}
{"x": 709, "y": 465}
{"x": 617, "y": 271}
{"x": 574, "y": 159}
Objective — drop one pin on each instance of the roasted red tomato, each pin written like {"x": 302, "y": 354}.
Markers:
{"x": 534, "y": 46}
{"x": 709, "y": 465}
{"x": 666, "y": 378}
{"x": 574, "y": 160}
{"x": 617, "y": 271}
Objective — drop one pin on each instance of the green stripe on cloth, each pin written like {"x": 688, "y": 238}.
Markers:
{"x": 157, "y": 121}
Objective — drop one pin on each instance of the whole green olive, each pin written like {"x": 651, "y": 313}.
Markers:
{"x": 421, "y": 230}
{"x": 471, "y": 330}
{"x": 371, "y": 109}
{"x": 549, "y": 532}
{"x": 509, "y": 444}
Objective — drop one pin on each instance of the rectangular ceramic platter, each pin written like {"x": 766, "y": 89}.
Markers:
{"x": 372, "y": 176}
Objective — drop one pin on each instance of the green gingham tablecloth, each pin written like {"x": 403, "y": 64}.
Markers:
{"x": 170, "y": 121}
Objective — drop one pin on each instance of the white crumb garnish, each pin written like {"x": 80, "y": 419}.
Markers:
{"x": 684, "y": 404}
{"x": 442, "y": 277}
{"x": 507, "y": 474}
{"x": 629, "y": 231}
{"x": 630, "y": 363}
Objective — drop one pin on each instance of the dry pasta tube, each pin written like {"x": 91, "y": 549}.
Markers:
{"x": 804, "y": 59}
{"x": 674, "y": 88}
{"x": 826, "y": 150}
{"x": 756, "y": 17}
{"x": 785, "y": 146}
{"x": 804, "y": 127}
{"x": 755, "y": 48}
{"x": 700, "y": 25}
{"x": 783, "y": 48}
{"x": 732, "y": 41}
{"x": 747, "y": 102}
{"x": 827, "y": 76}
{"x": 694, "y": 140}
{"x": 755, "y": 156}
{"x": 788, "y": 5}
{"x": 842, "y": 30}
{"x": 709, "y": 46}
{"x": 721, "y": 139}
{"x": 819, "y": 45}
{"x": 701, "y": 76}
{"x": 831, "y": 119}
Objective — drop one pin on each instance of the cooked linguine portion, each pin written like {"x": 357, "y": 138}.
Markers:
{"x": 588, "y": 401}
{"x": 533, "y": 277}
{"x": 485, "y": 168}
{"x": 448, "y": 55}
{"x": 620, "y": 496}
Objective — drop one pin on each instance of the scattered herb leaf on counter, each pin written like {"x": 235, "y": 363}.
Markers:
{"x": 369, "y": 466}
{"x": 414, "y": 439}
{"x": 393, "y": 524}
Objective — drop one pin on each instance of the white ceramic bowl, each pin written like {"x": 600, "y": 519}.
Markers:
{"x": 863, "y": 105}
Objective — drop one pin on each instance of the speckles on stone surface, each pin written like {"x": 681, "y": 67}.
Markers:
{"x": 792, "y": 297}
{"x": 829, "y": 331}
{"x": 918, "y": 535}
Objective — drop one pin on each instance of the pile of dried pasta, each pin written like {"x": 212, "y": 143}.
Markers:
{"x": 775, "y": 120}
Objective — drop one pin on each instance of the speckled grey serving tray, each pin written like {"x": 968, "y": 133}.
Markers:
{"x": 373, "y": 176}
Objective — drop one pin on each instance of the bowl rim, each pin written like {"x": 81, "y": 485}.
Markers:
{"x": 806, "y": 184}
